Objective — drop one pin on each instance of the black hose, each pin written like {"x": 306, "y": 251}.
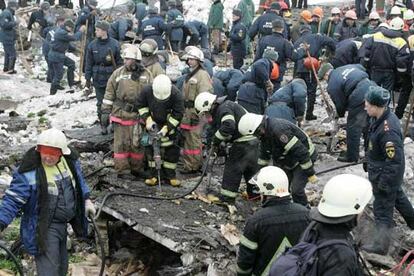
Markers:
{"x": 111, "y": 194}
{"x": 98, "y": 170}
{"x": 337, "y": 167}
{"x": 101, "y": 245}
{"x": 14, "y": 258}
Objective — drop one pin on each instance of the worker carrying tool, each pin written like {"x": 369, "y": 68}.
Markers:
{"x": 161, "y": 107}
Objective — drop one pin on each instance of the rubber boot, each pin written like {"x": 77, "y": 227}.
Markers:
{"x": 53, "y": 90}
{"x": 174, "y": 182}
{"x": 11, "y": 67}
{"x": 151, "y": 181}
{"x": 380, "y": 241}
{"x": 343, "y": 157}
{"x": 310, "y": 117}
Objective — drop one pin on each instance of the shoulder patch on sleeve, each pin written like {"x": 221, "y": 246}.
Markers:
{"x": 390, "y": 149}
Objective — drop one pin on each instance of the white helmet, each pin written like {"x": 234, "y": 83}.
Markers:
{"x": 344, "y": 195}
{"x": 395, "y": 11}
{"x": 384, "y": 25}
{"x": 54, "y": 138}
{"x": 132, "y": 52}
{"x": 408, "y": 15}
{"x": 194, "y": 53}
{"x": 335, "y": 10}
{"x": 161, "y": 87}
{"x": 271, "y": 181}
{"x": 249, "y": 122}
{"x": 397, "y": 24}
{"x": 204, "y": 101}
{"x": 374, "y": 16}
{"x": 149, "y": 46}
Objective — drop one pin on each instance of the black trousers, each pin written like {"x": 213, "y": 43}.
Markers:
{"x": 241, "y": 162}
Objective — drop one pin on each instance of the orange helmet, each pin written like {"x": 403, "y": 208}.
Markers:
{"x": 306, "y": 15}
{"x": 307, "y": 62}
{"x": 351, "y": 15}
{"x": 317, "y": 12}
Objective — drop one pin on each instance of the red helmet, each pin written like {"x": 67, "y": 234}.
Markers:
{"x": 283, "y": 5}
{"x": 309, "y": 61}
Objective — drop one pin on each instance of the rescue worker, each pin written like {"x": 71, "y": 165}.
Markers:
{"x": 347, "y": 52}
{"x": 278, "y": 43}
{"x": 394, "y": 13}
{"x": 348, "y": 28}
{"x": 103, "y": 56}
{"x": 304, "y": 19}
{"x": 215, "y": 24}
{"x": 317, "y": 15}
{"x": 408, "y": 21}
{"x": 263, "y": 24}
{"x": 50, "y": 190}
{"x": 386, "y": 165}
{"x": 197, "y": 81}
{"x": 88, "y": 15}
{"x": 153, "y": 27}
{"x": 41, "y": 17}
{"x": 119, "y": 107}
{"x": 231, "y": 79}
{"x": 8, "y": 25}
{"x": 303, "y": 64}
{"x": 150, "y": 59}
{"x": 258, "y": 84}
{"x": 241, "y": 160}
{"x": 198, "y": 33}
{"x": 237, "y": 38}
{"x": 119, "y": 28}
{"x": 343, "y": 200}
{"x": 394, "y": 53}
{"x": 347, "y": 86}
{"x": 48, "y": 34}
{"x": 288, "y": 102}
{"x": 274, "y": 227}
{"x": 140, "y": 12}
{"x": 161, "y": 108}
{"x": 371, "y": 25}
{"x": 404, "y": 84}
{"x": 360, "y": 9}
{"x": 290, "y": 148}
{"x": 174, "y": 21}
{"x": 61, "y": 43}
{"x": 328, "y": 26}
{"x": 247, "y": 10}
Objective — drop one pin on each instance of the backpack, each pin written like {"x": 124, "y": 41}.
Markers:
{"x": 302, "y": 259}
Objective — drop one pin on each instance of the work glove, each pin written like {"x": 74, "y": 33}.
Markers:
{"x": 150, "y": 124}
{"x": 313, "y": 179}
{"x": 89, "y": 208}
{"x": 88, "y": 84}
{"x": 269, "y": 87}
{"x": 163, "y": 132}
{"x": 105, "y": 119}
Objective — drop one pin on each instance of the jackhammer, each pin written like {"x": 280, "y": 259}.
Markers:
{"x": 155, "y": 141}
